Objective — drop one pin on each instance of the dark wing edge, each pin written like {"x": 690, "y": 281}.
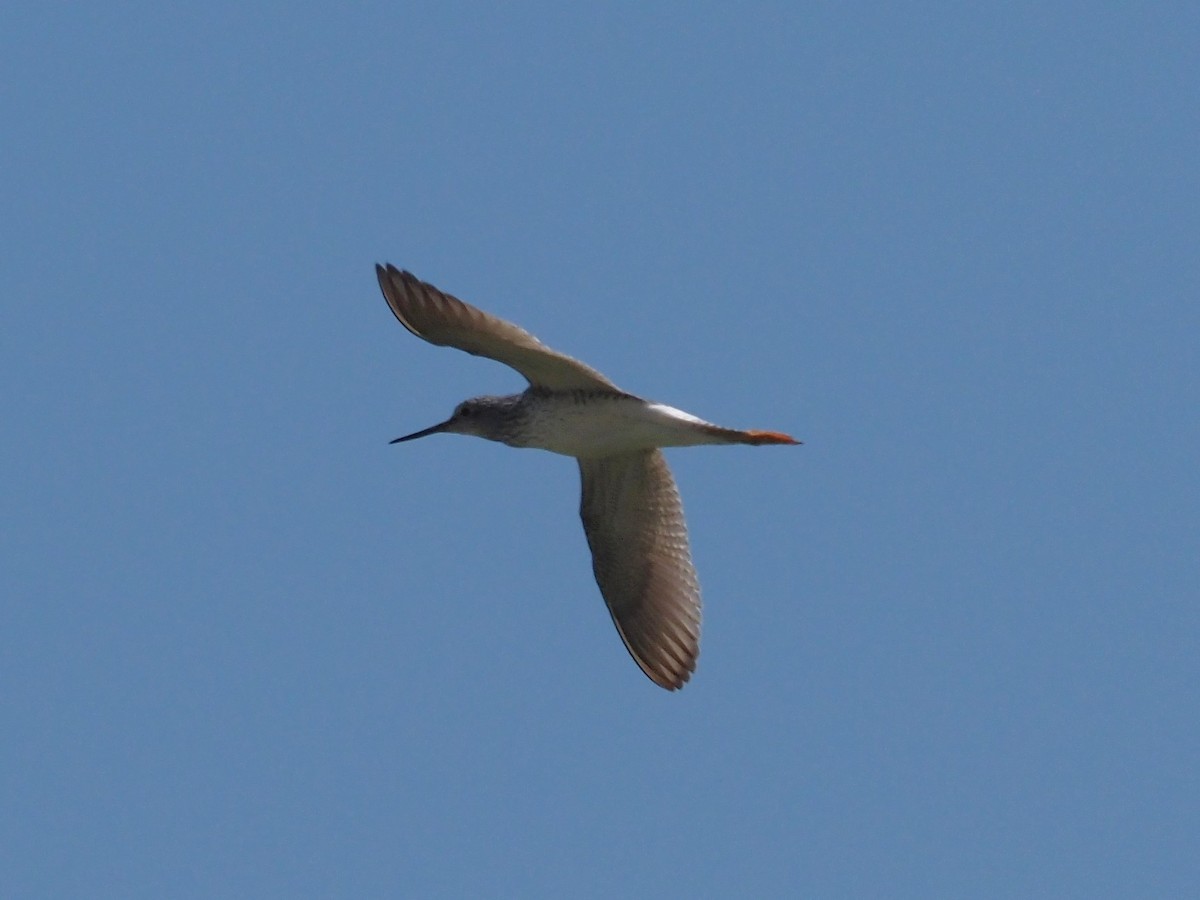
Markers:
{"x": 633, "y": 518}
{"x": 445, "y": 321}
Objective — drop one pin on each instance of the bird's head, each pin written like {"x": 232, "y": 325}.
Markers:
{"x": 493, "y": 418}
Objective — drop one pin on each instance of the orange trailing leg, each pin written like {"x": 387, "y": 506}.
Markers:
{"x": 768, "y": 437}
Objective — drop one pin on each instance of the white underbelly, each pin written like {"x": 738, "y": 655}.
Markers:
{"x": 606, "y": 426}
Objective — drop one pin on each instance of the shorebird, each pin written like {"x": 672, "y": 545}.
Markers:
{"x": 631, "y": 511}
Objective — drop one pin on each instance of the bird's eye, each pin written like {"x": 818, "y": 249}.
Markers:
{"x": 467, "y": 411}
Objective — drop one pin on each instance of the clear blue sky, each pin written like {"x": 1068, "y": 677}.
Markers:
{"x": 952, "y": 643}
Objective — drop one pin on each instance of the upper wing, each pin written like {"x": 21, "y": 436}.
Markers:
{"x": 633, "y": 519}
{"x": 448, "y": 322}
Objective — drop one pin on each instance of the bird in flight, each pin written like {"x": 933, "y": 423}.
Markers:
{"x": 631, "y": 511}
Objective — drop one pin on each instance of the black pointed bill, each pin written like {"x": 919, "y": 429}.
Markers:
{"x": 435, "y": 429}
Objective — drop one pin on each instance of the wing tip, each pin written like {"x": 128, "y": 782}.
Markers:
{"x": 385, "y": 272}
{"x": 400, "y": 288}
{"x": 667, "y": 661}
{"x": 671, "y": 683}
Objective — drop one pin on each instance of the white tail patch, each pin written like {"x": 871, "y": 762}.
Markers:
{"x": 678, "y": 414}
